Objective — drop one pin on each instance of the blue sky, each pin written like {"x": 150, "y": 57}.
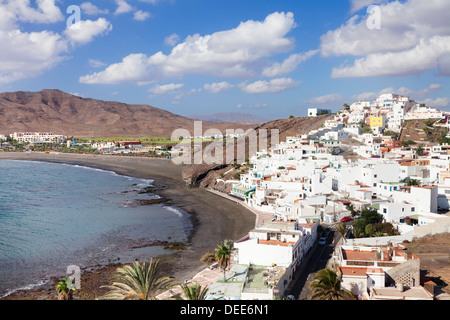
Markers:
{"x": 271, "y": 58}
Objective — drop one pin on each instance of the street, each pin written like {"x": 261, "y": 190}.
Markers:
{"x": 316, "y": 259}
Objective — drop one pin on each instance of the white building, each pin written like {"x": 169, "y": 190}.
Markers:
{"x": 424, "y": 197}
{"x": 314, "y": 112}
{"x": 37, "y": 137}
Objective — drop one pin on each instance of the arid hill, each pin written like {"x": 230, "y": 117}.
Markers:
{"x": 62, "y": 113}
{"x": 205, "y": 175}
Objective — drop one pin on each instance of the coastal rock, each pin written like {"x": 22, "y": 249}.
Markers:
{"x": 193, "y": 175}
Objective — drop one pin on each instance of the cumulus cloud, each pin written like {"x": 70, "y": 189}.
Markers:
{"x": 357, "y": 5}
{"x": 84, "y": 31}
{"x": 329, "y": 99}
{"x": 288, "y": 65}
{"x": 92, "y": 10}
{"x": 172, "y": 39}
{"x": 272, "y": 86}
{"x": 28, "y": 54}
{"x": 217, "y": 87}
{"x": 413, "y": 94}
{"x": 400, "y": 47}
{"x": 96, "y": 63}
{"x": 229, "y": 53}
{"x": 123, "y": 7}
{"x": 438, "y": 103}
{"x": 166, "y": 88}
{"x": 20, "y": 10}
{"x": 141, "y": 15}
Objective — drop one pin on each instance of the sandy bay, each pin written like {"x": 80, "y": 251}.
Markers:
{"x": 213, "y": 217}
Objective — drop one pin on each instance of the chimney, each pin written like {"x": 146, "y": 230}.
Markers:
{"x": 400, "y": 287}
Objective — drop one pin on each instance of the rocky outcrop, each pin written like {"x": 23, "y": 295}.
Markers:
{"x": 201, "y": 175}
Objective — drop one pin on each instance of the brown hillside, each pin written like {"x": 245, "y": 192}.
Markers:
{"x": 414, "y": 130}
{"x": 205, "y": 175}
{"x": 62, "y": 113}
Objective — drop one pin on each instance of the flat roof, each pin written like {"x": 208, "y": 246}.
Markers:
{"x": 360, "y": 271}
{"x": 408, "y": 293}
{"x": 359, "y": 255}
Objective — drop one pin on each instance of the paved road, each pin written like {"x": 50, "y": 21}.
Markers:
{"x": 316, "y": 259}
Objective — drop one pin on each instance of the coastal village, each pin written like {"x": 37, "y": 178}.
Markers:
{"x": 354, "y": 176}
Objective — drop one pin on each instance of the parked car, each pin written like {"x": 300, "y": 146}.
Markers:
{"x": 345, "y": 219}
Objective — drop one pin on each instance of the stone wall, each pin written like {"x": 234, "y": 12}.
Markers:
{"x": 407, "y": 273}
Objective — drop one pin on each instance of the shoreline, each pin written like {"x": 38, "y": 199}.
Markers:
{"x": 213, "y": 217}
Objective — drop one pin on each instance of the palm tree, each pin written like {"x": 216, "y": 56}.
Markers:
{"x": 420, "y": 151}
{"x": 229, "y": 243}
{"x": 413, "y": 182}
{"x": 194, "y": 291}
{"x": 139, "y": 281}
{"x": 327, "y": 286}
{"x": 342, "y": 229}
{"x": 223, "y": 256}
{"x": 64, "y": 289}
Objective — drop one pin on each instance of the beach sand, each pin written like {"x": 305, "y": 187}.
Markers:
{"x": 214, "y": 218}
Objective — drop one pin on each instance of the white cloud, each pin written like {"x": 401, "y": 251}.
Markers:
{"x": 288, "y": 65}
{"x": 438, "y": 103}
{"x": 230, "y": 53}
{"x": 185, "y": 94}
{"x": 217, "y": 87}
{"x": 422, "y": 58}
{"x": 329, "y": 99}
{"x": 150, "y": 1}
{"x": 272, "y": 86}
{"x": 123, "y": 7}
{"x": 444, "y": 64}
{"x": 92, "y": 10}
{"x": 141, "y": 15}
{"x": 172, "y": 39}
{"x": 418, "y": 94}
{"x": 166, "y": 88}
{"x": 28, "y": 54}
{"x": 414, "y": 35}
{"x": 84, "y": 31}
{"x": 20, "y": 10}
{"x": 96, "y": 63}
{"x": 357, "y": 5}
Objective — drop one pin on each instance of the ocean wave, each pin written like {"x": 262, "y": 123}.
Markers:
{"x": 177, "y": 211}
{"x": 27, "y": 287}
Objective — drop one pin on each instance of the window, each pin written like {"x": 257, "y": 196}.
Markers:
{"x": 413, "y": 209}
{"x": 384, "y": 210}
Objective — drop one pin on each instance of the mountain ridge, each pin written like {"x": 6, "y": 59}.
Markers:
{"x": 52, "y": 110}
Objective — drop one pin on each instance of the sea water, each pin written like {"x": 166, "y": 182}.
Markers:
{"x": 53, "y": 216}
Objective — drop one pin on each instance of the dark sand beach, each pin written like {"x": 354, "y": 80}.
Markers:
{"x": 214, "y": 218}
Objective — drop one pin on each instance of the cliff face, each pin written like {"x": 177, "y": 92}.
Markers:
{"x": 62, "y": 113}
{"x": 204, "y": 175}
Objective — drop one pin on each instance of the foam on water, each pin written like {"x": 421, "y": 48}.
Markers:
{"x": 55, "y": 215}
